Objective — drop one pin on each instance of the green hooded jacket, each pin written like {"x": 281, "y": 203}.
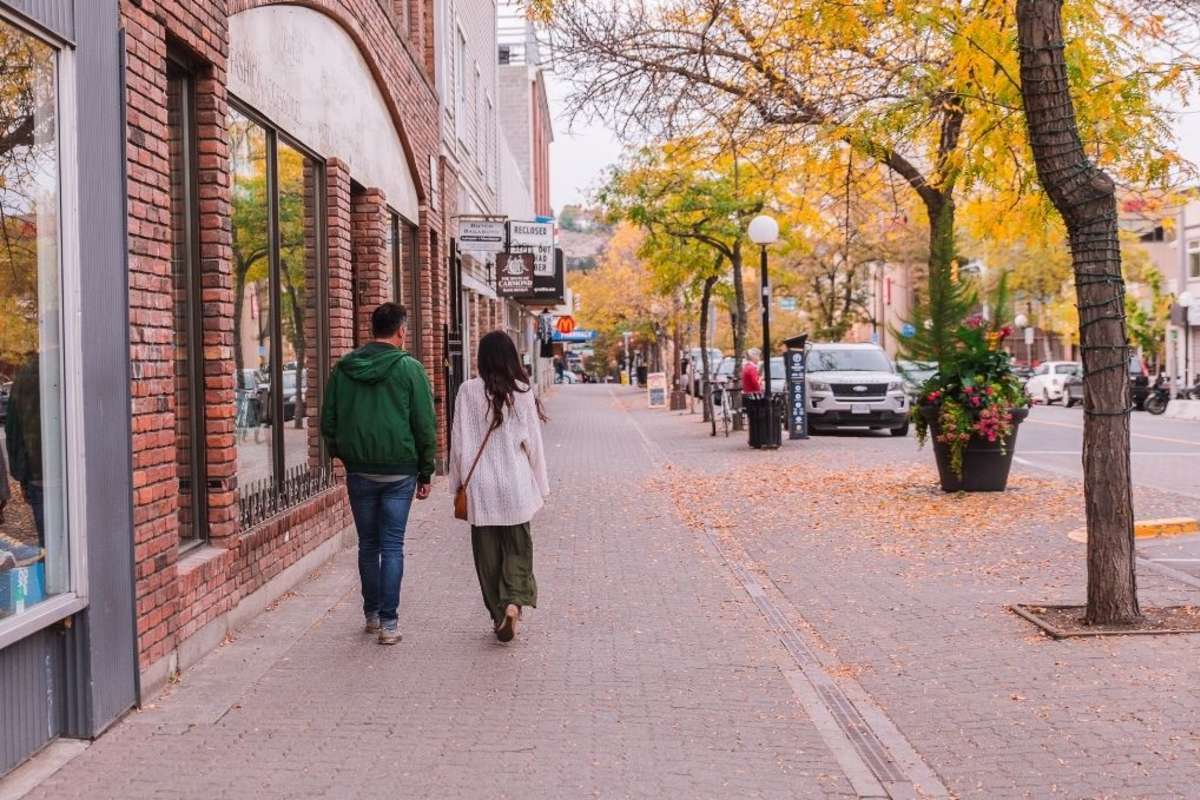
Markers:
{"x": 377, "y": 414}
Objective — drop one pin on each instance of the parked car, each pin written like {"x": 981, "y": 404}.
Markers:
{"x": 714, "y": 361}
{"x": 915, "y": 374}
{"x": 1049, "y": 381}
{"x": 854, "y": 386}
{"x": 1140, "y": 387}
{"x": 778, "y": 375}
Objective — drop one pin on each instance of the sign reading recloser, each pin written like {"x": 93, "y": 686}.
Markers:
{"x": 540, "y": 237}
{"x": 514, "y": 274}
{"x": 481, "y": 235}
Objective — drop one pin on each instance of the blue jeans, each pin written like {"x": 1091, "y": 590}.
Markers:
{"x": 380, "y": 516}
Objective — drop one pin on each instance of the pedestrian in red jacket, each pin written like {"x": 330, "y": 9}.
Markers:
{"x": 751, "y": 382}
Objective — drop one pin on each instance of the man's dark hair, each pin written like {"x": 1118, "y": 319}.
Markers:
{"x": 387, "y": 319}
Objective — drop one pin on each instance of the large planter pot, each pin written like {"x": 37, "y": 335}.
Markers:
{"x": 985, "y": 464}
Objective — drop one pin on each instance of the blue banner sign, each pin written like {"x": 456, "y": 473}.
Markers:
{"x": 579, "y": 336}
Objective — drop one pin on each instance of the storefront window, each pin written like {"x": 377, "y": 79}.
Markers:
{"x": 403, "y": 254}
{"x": 279, "y": 324}
{"x": 298, "y": 265}
{"x": 251, "y": 300}
{"x": 33, "y": 521}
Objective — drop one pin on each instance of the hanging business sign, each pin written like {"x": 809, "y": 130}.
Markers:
{"x": 514, "y": 274}
{"x": 538, "y": 237}
{"x": 482, "y": 235}
{"x": 794, "y": 369}
{"x": 548, "y": 290}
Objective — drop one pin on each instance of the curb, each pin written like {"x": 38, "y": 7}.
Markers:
{"x": 1150, "y": 528}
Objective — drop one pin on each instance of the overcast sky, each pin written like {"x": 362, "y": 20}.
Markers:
{"x": 579, "y": 156}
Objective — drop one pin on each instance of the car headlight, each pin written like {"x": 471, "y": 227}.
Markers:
{"x": 895, "y": 386}
{"x": 818, "y": 386}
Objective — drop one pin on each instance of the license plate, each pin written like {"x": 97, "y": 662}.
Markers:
{"x": 860, "y": 408}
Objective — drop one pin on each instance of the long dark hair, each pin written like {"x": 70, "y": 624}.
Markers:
{"x": 502, "y": 374}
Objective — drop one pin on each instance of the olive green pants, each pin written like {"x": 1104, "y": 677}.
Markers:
{"x": 504, "y": 564}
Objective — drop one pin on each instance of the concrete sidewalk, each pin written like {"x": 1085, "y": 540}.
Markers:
{"x": 648, "y": 671}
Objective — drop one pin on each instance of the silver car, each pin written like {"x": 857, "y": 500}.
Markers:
{"x": 855, "y": 386}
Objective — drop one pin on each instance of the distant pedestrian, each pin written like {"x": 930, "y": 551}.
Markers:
{"x": 496, "y": 457}
{"x": 751, "y": 382}
{"x": 378, "y": 419}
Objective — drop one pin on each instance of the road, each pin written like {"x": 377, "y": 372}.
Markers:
{"x": 1165, "y": 452}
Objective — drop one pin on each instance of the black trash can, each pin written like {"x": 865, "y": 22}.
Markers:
{"x": 766, "y": 430}
{"x": 642, "y": 372}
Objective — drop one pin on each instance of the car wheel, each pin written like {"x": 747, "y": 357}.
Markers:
{"x": 901, "y": 431}
{"x": 1070, "y": 401}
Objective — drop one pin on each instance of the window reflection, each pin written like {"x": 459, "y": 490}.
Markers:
{"x": 252, "y": 300}
{"x": 298, "y": 255}
{"x": 33, "y": 533}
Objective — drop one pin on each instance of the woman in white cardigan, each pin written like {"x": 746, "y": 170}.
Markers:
{"x": 496, "y": 453}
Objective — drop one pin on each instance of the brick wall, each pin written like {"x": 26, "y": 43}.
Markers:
{"x": 176, "y": 597}
{"x": 371, "y": 257}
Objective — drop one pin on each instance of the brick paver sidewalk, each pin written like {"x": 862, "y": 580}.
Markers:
{"x": 646, "y": 672}
{"x": 917, "y": 613}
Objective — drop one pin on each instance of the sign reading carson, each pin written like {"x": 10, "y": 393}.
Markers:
{"x": 514, "y": 274}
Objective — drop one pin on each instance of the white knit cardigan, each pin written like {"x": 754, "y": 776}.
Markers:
{"x": 509, "y": 484}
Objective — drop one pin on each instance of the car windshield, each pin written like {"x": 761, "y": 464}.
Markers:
{"x": 289, "y": 381}
{"x": 726, "y": 367}
{"x": 917, "y": 371}
{"x": 848, "y": 361}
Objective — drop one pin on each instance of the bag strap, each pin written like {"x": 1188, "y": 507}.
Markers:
{"x": 475, "y": 463}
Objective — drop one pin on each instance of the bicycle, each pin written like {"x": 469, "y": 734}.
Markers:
{"x": 722, "y": 399}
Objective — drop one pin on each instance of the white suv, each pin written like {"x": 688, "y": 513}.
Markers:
{"x": 1049, "y": 381}
{"x": 855, "y": 386}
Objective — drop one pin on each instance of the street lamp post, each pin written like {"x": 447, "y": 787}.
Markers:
{"x": 764, "y": 230}
{"x": 1022, "y": 322}
{"x": 1185, "y": 299}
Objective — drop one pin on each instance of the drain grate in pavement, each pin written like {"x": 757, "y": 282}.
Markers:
{"x": 848, "y": 717}
{"x": 870, "y": 765}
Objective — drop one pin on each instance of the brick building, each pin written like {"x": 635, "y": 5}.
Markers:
{"x": 286, "y": 166}
{"x": 283, "y": 168}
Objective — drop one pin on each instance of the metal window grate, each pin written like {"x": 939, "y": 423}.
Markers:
{"x": 261, "y": 500}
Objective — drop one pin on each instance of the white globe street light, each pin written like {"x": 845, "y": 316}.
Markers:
{"x": 1022, "y": 322}
{"x": 764, "y": 230}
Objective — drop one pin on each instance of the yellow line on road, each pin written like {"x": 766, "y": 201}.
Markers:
{"x": 1131, "y": 433}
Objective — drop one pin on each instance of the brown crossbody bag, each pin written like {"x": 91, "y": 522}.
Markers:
{"x": 460, "y": 497}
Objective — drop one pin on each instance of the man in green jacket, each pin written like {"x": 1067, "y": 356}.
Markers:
{"x": 378, "y": 419}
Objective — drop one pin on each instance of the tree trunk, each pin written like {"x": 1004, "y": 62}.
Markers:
{"x": 705, "y": 370}
{"x": 1086, "y": 198}
{"x": 739, "y": 329}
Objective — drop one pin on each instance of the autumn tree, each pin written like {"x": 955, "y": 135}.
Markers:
{"x": 1085, "y": 196}
{"x": 928, "y": 90}
{"x": 702, "y": 191}
{"x": 842, "y": 219}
